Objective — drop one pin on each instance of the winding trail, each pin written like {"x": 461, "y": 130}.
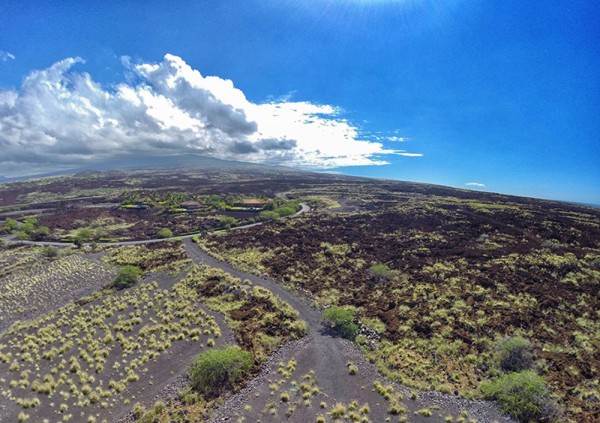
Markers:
{"x": 327, "y": 356}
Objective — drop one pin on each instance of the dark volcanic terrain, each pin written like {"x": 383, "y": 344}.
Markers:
{"x": 437, "y": 282}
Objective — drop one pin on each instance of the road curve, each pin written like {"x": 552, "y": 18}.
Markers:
{"x": 307, "y": 313}
{"x": 304, "y": 208}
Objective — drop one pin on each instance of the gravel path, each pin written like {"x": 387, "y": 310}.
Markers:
{"x": 327, "y": 356}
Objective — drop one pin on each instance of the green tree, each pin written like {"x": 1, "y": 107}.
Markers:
{"x": 216, "y": 370}
{"x": 131, "y": 198}
{"x": 127, "y": 277}
{"x": 230, "y": 200}
{"x": 84, "y": 234}
{"x": 216, "y": 201}
{"x": 278, "y": 202}
{"x": 341, "y": 320}
{"x": 165, "y": 233}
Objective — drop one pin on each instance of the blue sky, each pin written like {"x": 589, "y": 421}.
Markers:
{"x": 504, "y": 94}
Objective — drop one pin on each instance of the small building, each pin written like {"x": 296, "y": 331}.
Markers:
{"x": 191, "y": 205}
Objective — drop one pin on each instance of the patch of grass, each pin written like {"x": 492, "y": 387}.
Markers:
{"x": 424, "y": 412}
{"x": 352, "y": 368}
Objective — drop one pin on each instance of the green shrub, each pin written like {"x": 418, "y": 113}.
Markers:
{"x": 268, "y": 215}
{"x": 215, "y": 370}
{"x": 127, "y": 277}
{"x": 42, "y": 231}
{"x": 50, "y": 251}
{"x": 84, "y": 234}
{"x": 380, "y": 272}
{"x": 11, "y": 224}
{"x": 285, "y": 211}
{"x": 22, "y": 236}
{"x": 514, "y": 354}
{"x": 227, "y": 221}
{"x": 27, "y": 227}
{"x": 138, "y": 410}
{"x": 165, "y": 233}
{"x": 32, "y": 220}
{"x": 341, "y": 320}
{"x": 519, "y": 394}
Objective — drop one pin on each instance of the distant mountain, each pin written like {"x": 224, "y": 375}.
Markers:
{"x": 188, "y": 161}
{"x": 4, "y": 179}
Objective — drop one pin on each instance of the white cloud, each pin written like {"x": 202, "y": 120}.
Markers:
{"x": 475, "y": 184}
{"x": 410, "y": 154}
{"x": 397, "y": 139}
{"x": 61, "y": 117}
{"x": 5, "y": 56}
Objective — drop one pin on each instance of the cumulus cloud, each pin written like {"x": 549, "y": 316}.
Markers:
{"x": 475, "y": 184}
{"x": 62, "y": 117}
{"x": 5, "y": 56}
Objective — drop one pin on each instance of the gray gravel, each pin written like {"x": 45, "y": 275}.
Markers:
{"x": 234, "y": 402}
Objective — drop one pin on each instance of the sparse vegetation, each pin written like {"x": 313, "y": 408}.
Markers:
{"x": 260, "y": 320}
{"x": 467, "y": 293}
{"x": 28, "y": 286}
{"x": 461, "y": 271}
{"x": 99, "y": 350}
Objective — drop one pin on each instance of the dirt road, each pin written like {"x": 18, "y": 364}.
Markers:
{"x": 327, "y": 357}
